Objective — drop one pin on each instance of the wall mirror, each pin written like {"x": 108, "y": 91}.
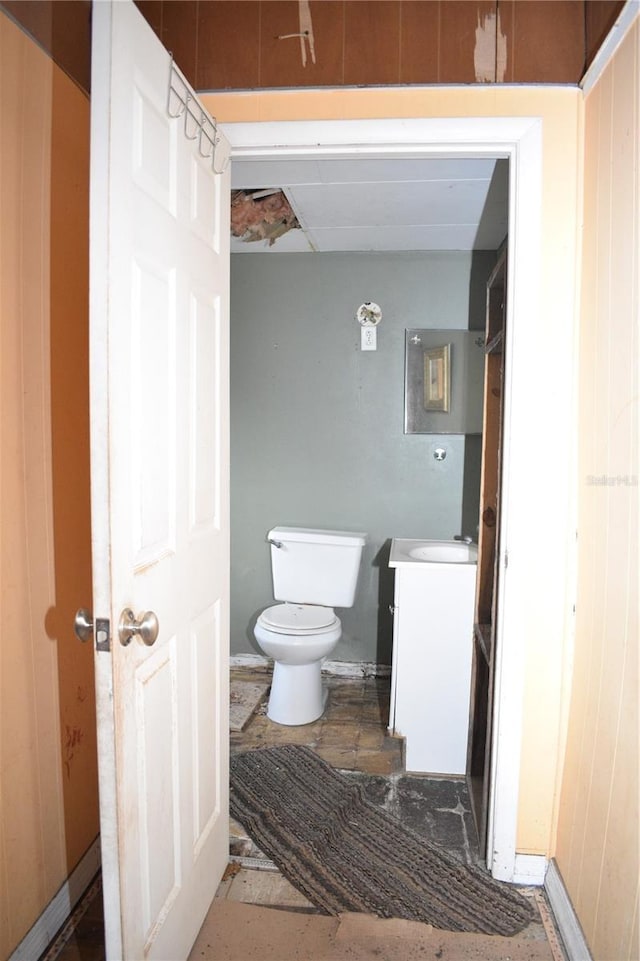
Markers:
{"x": 443, "y": 381}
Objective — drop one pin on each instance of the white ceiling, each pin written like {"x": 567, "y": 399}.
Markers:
{"x": 383, "y": 204}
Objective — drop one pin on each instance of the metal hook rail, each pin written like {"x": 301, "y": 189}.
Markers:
{"x": 199, "y": 125}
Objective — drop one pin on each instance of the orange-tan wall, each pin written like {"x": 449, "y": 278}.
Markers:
{"x": 543, "y": 494}
{"x": 63, "y": 29}
{"x": 49, "y": 806}
{"x": 598, "y": 841}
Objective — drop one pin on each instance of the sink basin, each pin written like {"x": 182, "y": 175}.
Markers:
{"x": 445, "y": 552}
{"x": 408, "y": 551}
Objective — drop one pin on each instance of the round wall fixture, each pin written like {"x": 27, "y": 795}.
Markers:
{"x": 369, "y": 314}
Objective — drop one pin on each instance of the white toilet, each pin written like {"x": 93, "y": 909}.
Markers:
{"x": 313, "y": 572}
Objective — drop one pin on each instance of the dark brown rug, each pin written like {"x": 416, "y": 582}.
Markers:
{"x": 345, "y": 854}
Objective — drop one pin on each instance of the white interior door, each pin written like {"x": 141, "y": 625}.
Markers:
{"x": 159, "y": 416}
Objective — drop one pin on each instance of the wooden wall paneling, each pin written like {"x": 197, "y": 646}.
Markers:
{"x": 481, "y": 709}
{"x": 32, "y": 849}
{"x": 222, "y": 44}
{"x": 600, "y": 15}
{"x": 491, "y": 440}
{"x": 71, "y": 488}
{"x": 419, "y": 41}
{"x": 489, "y": 493}
{"x": 281, "y": 60}
{"x": 228, "y": 45}
{"x": 597, "y": 843}
{"x": 505, "y": 20}
{"x": 48, "y": 772}
{"x": 71, "y": 39}
{"x": 63, "y": 29}
{"x": 545, "y": 40}
{"x": 459, "y": 21}
{"x": 372, "y": 42}
{"x": 180, "y": 34}
{"x": 151, "y": 10}
{"x": 35, "y": 18}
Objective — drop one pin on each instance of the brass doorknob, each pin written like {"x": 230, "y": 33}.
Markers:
{"x": 146, "y": 627}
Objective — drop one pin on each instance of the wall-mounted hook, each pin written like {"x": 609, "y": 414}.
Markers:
{"x": 290, "y": 36}
{"x": 198, "y": 124}
{"x": 304, "y": 34}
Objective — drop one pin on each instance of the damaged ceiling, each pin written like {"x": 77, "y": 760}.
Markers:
{"x": 261, "y": 215}
{"x": 370, "y": 204}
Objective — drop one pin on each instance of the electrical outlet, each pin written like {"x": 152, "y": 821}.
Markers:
{"x": 368, "y": 339}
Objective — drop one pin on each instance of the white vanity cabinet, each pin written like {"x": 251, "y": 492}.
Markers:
{"x": 432, "y": 650}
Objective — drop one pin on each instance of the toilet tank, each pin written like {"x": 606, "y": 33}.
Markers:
{"x": 314, "y": 566}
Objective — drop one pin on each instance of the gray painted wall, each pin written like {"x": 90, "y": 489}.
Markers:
{"x": 317, "y": 424}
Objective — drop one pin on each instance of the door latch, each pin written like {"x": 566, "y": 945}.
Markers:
{"x": 103, "y": 634}
{"x": 85, "y": 629}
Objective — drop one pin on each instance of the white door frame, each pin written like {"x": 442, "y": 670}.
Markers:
{"x": 520, "y": 140}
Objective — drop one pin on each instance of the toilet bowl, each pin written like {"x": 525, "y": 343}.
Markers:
{"x": 320, "y": 567}
{"x": 298, "y": 637}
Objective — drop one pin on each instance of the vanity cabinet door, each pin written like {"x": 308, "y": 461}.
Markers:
{"x": 433, "y": 625}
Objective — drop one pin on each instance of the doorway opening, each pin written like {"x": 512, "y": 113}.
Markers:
{"x": 518, "y": 141}
{"x": 421, "y": 236}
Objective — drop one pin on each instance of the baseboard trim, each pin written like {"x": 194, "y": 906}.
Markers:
{"x": 530, "y": 869}
{"x": 573, "y": 939}
{"x": 258, "y": 662}
{"x": 36, "y": 941}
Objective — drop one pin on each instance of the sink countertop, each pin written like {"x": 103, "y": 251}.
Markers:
{"x": 400, "y": 556}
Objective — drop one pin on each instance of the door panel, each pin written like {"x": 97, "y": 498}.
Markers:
{"x": 204, "y": 440}
{"x": 158, "y": 770}
{"x": 153, "y": 394}
{"x": 159, "y": 410}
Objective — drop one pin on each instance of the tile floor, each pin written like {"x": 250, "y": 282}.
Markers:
{"x": 352, "y": 736}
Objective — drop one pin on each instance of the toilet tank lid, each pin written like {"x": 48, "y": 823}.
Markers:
{"x": 312, "y": 536}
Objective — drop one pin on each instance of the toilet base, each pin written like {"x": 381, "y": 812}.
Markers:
{"x": 297, "y": 695}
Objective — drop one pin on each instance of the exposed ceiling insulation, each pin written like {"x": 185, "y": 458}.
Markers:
{"x": 261, "y": 214}
{"x": 373, "y": 204}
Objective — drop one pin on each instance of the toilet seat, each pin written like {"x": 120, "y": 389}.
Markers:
{"x": 298, "y": 619}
